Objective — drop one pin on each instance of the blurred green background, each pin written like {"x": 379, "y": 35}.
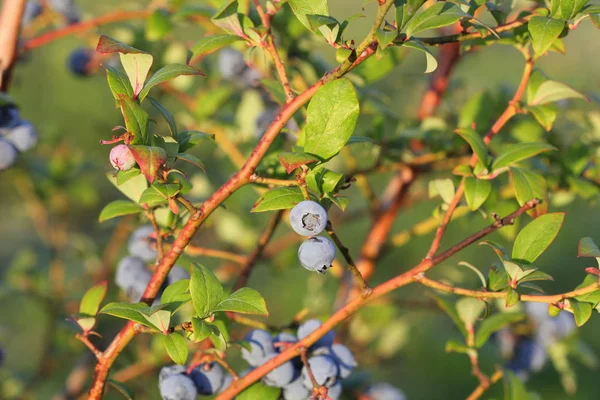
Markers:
{"x": 400, "y": 341}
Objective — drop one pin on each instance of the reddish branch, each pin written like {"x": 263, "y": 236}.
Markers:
{"x": 84, "y": 26}
{"x": 10, "y": 25}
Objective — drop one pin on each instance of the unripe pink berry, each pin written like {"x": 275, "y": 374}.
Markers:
{"x": 121, "y": 158}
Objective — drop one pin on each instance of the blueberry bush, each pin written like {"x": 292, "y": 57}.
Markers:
{"x": 287, "y": 212}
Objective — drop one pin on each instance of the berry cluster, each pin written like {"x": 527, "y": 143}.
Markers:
{"x": 132, "y": 275}
{"x": 16, "y": 135}
{"x": 328, "y": 362}
{"x": 528, "y": 352}
{"x": 175, "y": 382}
{"x": 309, "y": 219}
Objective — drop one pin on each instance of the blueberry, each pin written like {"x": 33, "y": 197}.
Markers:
{"x": 251, "y": 77}
{"x": 528, "y": 355}
{"x": 177, "y": 274}
{"x": 33, "y": 9}
{"x": 231, "y": 63}
{"x": 316, "y": 254}
{"x": 344, "y": 358}
{"x": 208, "y": 378}
{"x": 335, "y": 391}
{"x": 227, "y": 379}
{"x": 141, "y": 244}
{"x": 79, "y": 61}
{"x": 283, "y": 337}
{"x": 554, "y": 329}
{"x": 169, "y": 370}
{"x": 280, "y": 376}
{"x": 309, "y": 327}
{"x": 308, "y": 218}
{"x": 538, "y": 312}
{"x": 384, "y": 391}
{"x": 9, "y": 118}
{"x": 23, "y": 136}
{"x": 8, "y": 154}
{"x": 178, "y": 387}
{"x": 133, "y": 277}
{"x": 67, "y": 8}
{"x": 324, "y": 369}
{"x": 264, "y": 120}
{"x": 121, "y": 158}
{"x": 296, "y": 390}
{"x": 261, "y": 345}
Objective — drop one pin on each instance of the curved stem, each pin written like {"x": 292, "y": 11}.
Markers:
{"x": 10, "y": 25}
{"x": 478, "y": 392}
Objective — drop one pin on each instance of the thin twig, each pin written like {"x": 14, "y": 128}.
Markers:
{"x": 85, "y": 340}
{"x": 346, "y": 253}
{"x": 478, "y": 392}
{"x": 196, "y": 251}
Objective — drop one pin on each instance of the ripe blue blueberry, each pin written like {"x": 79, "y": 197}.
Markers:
{"x": 227, "y": 379}
{"x": 281, "y": 375}
{"x": 133, "y": 277}
{"x": 309, "y": 327}
{"x": 296, "y": 390}
{"x": 231, "y": 63}
{"x": 528, "y": 355}
{"x": 344, "y": 359}
{"x": 177, "y": 274}
{"x": 121, "y": 158}
{"x": 23, "y": 136}
{"x": 208, "y": 378}
{"x": 335, "y": 391}
{"x": 316, "y": 254}
{"x": 308, "y": 218}
{"x": 8, "y": 154}
{"x": 261, "y": 345}
{"x": 283, "y": 337}
{"x": 384, "y": 391}
{"x": 178, "y": 387}
{"x": 141, "y": 244}
{"x": 79, "y": 61}
{"x": 324, "y": 369}
{"x": 169, "y": 370}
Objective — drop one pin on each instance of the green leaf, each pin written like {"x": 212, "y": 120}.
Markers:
{"x": 150, "y": 159}
{"x": 176, "y": 292}
{"x": 537, "y": 236}
{"x": 536, "y": 276}
{"x": 431, "y": 62}
{"x": 528, "y": 185}
{"x": 438, "y": 15}
{"x": 217, "y": 338}
{"x": 544, "y": 31}
{"x": 581, "y": 311}
{"x": 167, "y": 73}
{"x": 477, "y": 191}
{"x": 158, "y": 24}
{"x": 206, "y": 290}
{"x": 291, "y": 161}
{"x": 470, "y": 310}
{"x": 133, "y": 188}
{"x": 587, "y": 248}
{"x": 497, "y": 278}
{"x": 385, "y": 38}
{"x": 495, "y": 323}
{"x": 593, "y": 297}
{"x": 90, "y": 303}
{"x": 449, "y": 309}
{"x": 176, "y": 348}
{"x": 124, "y": 176}
{"x": 121, "y": 388}
{"x": 498, "y": 249}
{"x": 442, "y": 187}
{"x": 119, "y": 208}
{"x": 118, "y": 83}
{"x": 166, "y": 115}
{"x": 544, "y": 114}
{"x": 514, "y": 388}
{"x": 160, "y": 319}
{"x": 129, "y": 311}
{"x": 512, "y": 297}
{"x": 512, "y": 154}
{"x": 331, "y": 118}
{"x": 209, "y": 44}
{"x": 551, "y": 91}
{"x": 323, "y": 180}
{"x": 302, "y": 8}
{"x": 244, "y": 301}
{"x": 202, "y": 330}
{"x": 405, "y": 9}
{"x": 278, "y": 199}
{"x": 259, "y": 390}
{"x": 452, "y": 346}
{"x": 228, "y": 18}
{"x": 152, "y": 197}
{"x": 136, "y": 120}
{"x": 476, "y": 142}
{"x": 566, "y": 9}
{"x": 188, "y": 139}
{"x": 192, "y": 159}
{"x": 136, "y": 66}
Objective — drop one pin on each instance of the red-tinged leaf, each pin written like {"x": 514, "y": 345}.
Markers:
{"x": 291, "y": 161}
{"x": 173, "y": 206}
{"x": 108, "y": 45}
{"x": 150, "y": 159}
